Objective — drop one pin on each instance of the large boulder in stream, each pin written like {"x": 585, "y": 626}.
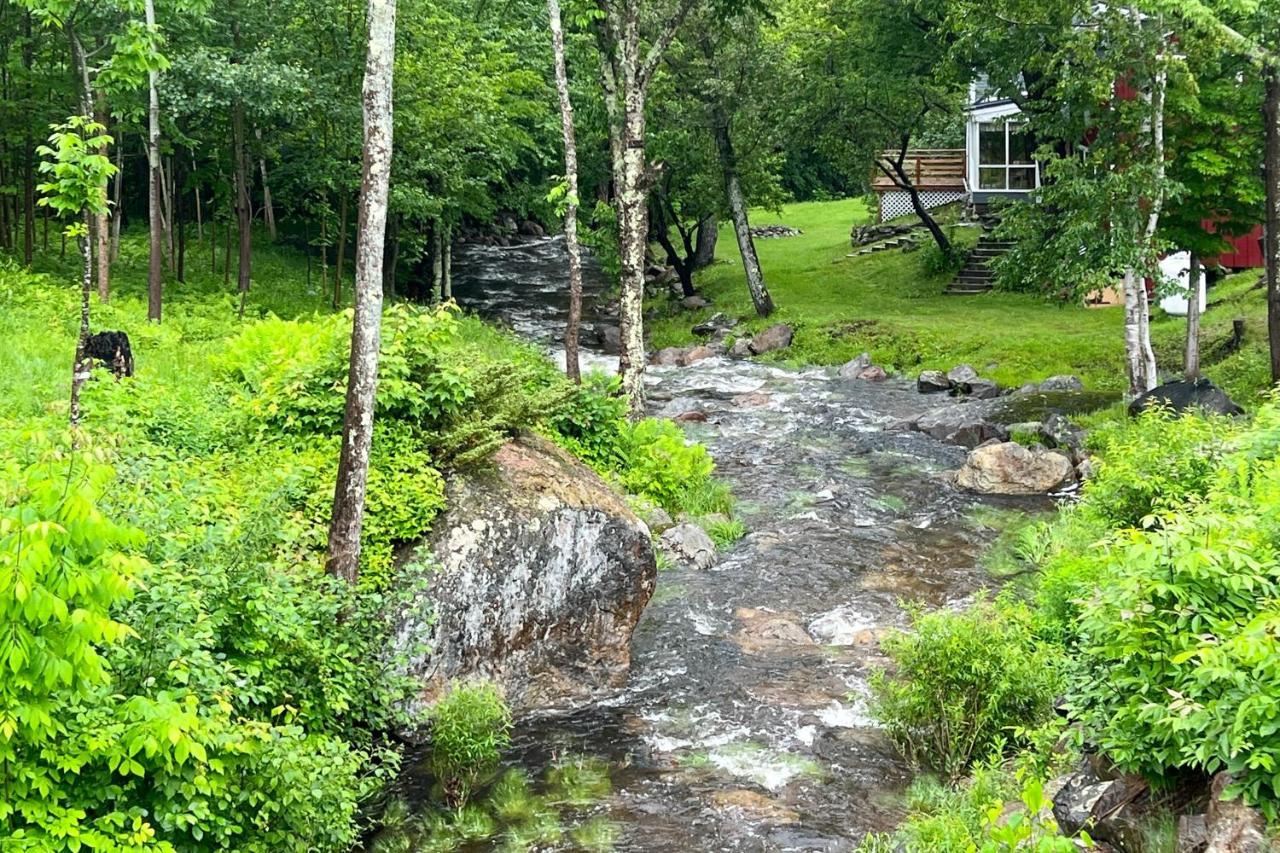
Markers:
{"x": 1008, "y": 468}
{"x": 966, "y": 424}
{"x": 534, "y": 578}
{"x": 777, "y": 336}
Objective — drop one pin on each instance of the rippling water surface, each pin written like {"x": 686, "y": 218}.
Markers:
{"x": 744, "y": 725}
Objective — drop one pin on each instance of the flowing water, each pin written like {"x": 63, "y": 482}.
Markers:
{"x": 744, "y": 724}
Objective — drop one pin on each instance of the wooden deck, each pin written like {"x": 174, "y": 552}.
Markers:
{"x": 934, "y": 169}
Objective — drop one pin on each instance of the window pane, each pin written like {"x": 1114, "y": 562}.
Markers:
{"x": 991, "y": 144}
{"x": 1021, "y": 146}
{"x": 991, "y": 179}
{"x": 1022, "y": 179}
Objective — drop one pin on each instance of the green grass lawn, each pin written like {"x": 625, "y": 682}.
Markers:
{"x": 889, "y": 305}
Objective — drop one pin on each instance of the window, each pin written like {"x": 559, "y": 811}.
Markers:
{"x": 1006, "y": 157}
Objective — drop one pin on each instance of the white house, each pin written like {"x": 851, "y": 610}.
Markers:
{"x": 999, "y": 156}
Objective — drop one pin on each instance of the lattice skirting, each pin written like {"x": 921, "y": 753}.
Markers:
{"x": 897, "y": 203}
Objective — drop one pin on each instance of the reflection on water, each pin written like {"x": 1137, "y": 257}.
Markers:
{"x": 744, "y": 725}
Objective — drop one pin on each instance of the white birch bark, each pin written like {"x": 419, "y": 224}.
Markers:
{"x": 571, "y": 361}
{"x": 155, "y": 282}
{"x": 362, "y": 383}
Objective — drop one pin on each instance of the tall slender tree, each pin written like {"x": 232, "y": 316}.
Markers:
{"x": 627, "y": 69}
{"x": 155, "y": 283}
{"x": 571, "y": 361}
{"x": 366, "y": 332}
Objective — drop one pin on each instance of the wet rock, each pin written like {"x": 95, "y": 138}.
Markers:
{"x": 1008, "y": 468}
{"x": 1084, "y": 469}
{"x": 609, "y": 339}
{"x": 1230, "y": 825}
{"x": 1110, "y": 810}
{"x": 1061, "y": 382}
{"x": 657, "y": 519}
{"x": 980, "y": 389}
{"x": 1193, "y": 833}
{"x": 534, "y": 578}
{"x": 529, "y": 228}
{"x": 852, "y": 368}
{"x": 741, "y": 348}
{"x": 751, "y": 399}
{"x": 718, "y": 322}
{"x": 698, "y": 354}
{"x": 874, "y": 373}
{"x": 693, "y": 303}
{"x": 961, "y": 374}
{"x": 1179, "y": 396}
{"x": 1060, "y": 432}
{"x": 777, "y": 336}
{"x": 762, "y": 630}
{"x": 965, "y": 424}
{"x": 668, "y": 357}
{"x": 933, "y": 382}
{"x": 754, "y": 806}
{"x": 691, "y": 417}
{"x": 688, "y": 543}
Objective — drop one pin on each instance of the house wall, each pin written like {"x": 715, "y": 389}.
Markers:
{"x": 978, "y": 115}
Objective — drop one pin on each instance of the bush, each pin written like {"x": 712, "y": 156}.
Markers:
{"x": 661, "y": 465}
{"x": 961, "y": 681}
{"x": 1151, "y": 463}
{"x": 470, "y": 728}
{"x": 1180, "y": 663}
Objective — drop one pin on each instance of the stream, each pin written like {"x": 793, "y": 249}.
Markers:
{"x": 744, "y": 725}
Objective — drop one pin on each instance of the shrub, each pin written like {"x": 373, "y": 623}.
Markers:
{"x": 1151, "y": 463}
{"x": 1180, "y": 663}
{"x": 470, "y": 728}
{"x": 661, "y": 465}
{"x": 961, "y": 681}
{"x": 935, "y": 261}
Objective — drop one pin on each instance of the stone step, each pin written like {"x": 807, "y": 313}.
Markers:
{"x": 976, "y": 275}
{"x": 963, "y": 290}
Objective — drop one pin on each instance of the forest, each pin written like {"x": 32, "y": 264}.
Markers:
{"x": 640, "y": 425}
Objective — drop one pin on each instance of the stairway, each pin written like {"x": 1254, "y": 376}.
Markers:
{"x": 977, "y": 276}
{"x": 903, "y": 241}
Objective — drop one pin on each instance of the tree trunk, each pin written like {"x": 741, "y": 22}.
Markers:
{"x": 118, "y": 196}
{"x": 244, "y": 209}
{"x": 437, "y": 261}
{"x": 340, "y": 261}
{"x": 572, "y": 366}
{"x": 446, "y": 273}
{"x": 741, "y": 225}
{"x": 708, "y": 234}
{"x": 28, "y": 167}
{"x": 102, "y": 221}
{"x": 1140, "y": 362}
{"x": 1191, "y": 360}
{"x": 155, "y": 279}
{"x": 268, "y": 209}
{"x": 82, "y": 365}
{"x": 362, "y": 382}
{"x": 179, "y": 215}
{"x": 1271, "y": 112}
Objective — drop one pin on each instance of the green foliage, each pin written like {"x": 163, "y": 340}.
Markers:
{"x": 77, "y": 168}
{"x": 934, "y": 261}
{"x": 1152, "y": 464}
{"x": 1031, "y": 827}
{"x": 960, "y": 681}
{"x": 470, "y": 728}
{"x": 725, "y": 531}
{"x": 661, "y": 464}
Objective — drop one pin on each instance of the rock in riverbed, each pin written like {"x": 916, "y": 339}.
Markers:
{"x": 1009, "y": 468}
{"x": 689, "y": 543}
{"x": 777, "y": 336}
{"x": 534, "y": 578}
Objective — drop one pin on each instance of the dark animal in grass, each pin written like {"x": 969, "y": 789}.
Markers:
{"x": 1180, "y": 395}
{"x": 112, "y": 349}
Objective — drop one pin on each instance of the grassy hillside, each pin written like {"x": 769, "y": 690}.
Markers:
{"x": 892, "y": 306}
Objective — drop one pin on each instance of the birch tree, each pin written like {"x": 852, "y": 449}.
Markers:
{"x": 155, "y": 283}
{"x": 571, "y": 361}
{"x": 626, "y": 70}
{"x": 366, "y": 331}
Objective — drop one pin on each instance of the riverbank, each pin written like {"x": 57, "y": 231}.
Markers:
{"x": 891, "y": 305}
